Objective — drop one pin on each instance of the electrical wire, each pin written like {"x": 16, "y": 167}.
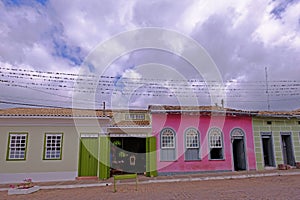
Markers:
{"x": 53, "y": 83}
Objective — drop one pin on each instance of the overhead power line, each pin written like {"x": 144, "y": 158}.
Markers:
{"x": 61, "y": 85}
{"x": 29, "y": 104}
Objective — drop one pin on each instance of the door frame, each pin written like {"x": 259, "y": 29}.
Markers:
{"x": 292, "y": 146}
{"x": 238, "y": 133}
{"x": 150, "y": 151}
{"x": 125, "y": 146}
{"x": 270, "y": 135}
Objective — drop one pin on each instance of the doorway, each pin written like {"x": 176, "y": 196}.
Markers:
{"x": 88, "y": 157}
{"x": 239, "y": 157}
{"x": 128, "y": 155}
{"x": 268, "y": 153}
{"x": 287, "y": 149}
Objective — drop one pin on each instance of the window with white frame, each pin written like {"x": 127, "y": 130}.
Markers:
{"x": 17, "y": 146}
{"x": 192, "y": 144}
{"x": 53, "y": 146}
{"x": 167, "y": 139}
{"x": 135, "y": 116}
{"x": 168, "y": 145}
{"x": 216, "y": 144}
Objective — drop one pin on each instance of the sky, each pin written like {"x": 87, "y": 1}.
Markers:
{"x": 255, "y": 45}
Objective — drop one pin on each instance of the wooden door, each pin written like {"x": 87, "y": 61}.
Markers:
{"x": 151, "y": 156}
{"x": 88, "y": 162}
{"x": 104, "y": 159}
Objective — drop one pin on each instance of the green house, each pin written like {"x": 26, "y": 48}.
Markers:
{"x": 277, "y": 138}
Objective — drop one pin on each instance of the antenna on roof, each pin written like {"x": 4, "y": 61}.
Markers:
{"x": 104, "y": 108}
{"x": 267, "y": 89}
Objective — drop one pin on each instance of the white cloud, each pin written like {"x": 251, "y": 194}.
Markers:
{"x": 280, "y": 31}
{"x": 242, "y": 37}
{"x": 132, "y": 74}
{"x": 86, "y": 24}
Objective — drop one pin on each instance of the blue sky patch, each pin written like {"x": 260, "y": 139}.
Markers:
{"x": 72, "y": 53}
{"x": 119, "y": 84}
{"x": 281, "y": 7}
{"x": 91, "y": 67}
{"x": 23, "y": 2}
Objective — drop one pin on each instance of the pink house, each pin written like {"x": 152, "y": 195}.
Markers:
{"x": 202, "y": 139}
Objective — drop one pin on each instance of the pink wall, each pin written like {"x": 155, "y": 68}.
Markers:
{"x": 180, "y": 122}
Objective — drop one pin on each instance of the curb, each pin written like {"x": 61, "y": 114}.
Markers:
{"x": 221, "y": 177}
{"x": 74, "y": 186}
{"x": 66, "y": 186}
{"x": 169, "y": 180}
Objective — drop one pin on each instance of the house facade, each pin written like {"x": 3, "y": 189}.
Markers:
{"x": 202, "y": 139}
{"x": 63, "y": 144}
{"x": 43, "y": 144}
{"x": 277, "y": 138}
{"x": 132, "y": 146}
{"x": 125, "y": 147}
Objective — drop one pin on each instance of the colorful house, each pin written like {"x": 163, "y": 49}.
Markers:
{"x": 63, "y": 144}
{"x": 43, "y": 144}
{"x": 202, "y": 139}
{"x": 131, "y": 143}
{"x": 277, "y": 138}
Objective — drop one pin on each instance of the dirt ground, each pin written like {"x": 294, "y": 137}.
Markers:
{"x": 278, "y": 187}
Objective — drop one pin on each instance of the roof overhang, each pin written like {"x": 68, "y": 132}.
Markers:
{"x": 218, "y": 112}
{"x": 129, "y": 130}
{"x": 52, "y": 117}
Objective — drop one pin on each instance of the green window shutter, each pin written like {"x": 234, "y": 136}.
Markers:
{"x": 104, "y": 161}
{"x": 151, "y": 157}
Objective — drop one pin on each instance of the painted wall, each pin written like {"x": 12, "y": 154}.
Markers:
{"x": 180, "y": 123}
{"x": 277, "y": 126}
{"x": 34, "y": 166}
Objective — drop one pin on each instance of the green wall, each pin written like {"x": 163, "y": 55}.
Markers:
{"x": 277, "y": 126}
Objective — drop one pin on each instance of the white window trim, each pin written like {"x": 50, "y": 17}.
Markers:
{"x": 215, "y": 138}
{"x": 174, "y": 140}
{"x": 10, "y": 146}
{"x": 135, "y": 116}
{"x": 186, "y": 138}
{"x": 198, "y": 143}
{"x": 218, "y": 147}
{"x": 45, "y": 146}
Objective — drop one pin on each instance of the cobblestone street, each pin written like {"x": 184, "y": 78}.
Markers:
{"x": 277, "y": 187}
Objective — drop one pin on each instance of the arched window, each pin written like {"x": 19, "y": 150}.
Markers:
{"x": 216, "y": 144}
{"x": 192, "y": 144}
{"x": 167, "y": 145}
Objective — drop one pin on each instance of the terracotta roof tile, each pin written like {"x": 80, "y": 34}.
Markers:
{"x": 67, "y": 112}
{"x": 52, "y": 112}
{"x": 193, "y": 108}
{"x": 284, "y": 113}
{"x": 62, "y": 112}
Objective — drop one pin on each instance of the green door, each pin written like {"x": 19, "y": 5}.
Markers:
{"x": 151, "y": 157}
{"x": 104, "y": 158}
{"x": 88, "y": 157}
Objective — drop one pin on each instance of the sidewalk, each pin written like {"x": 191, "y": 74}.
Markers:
{"x": 162, "y": 179}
